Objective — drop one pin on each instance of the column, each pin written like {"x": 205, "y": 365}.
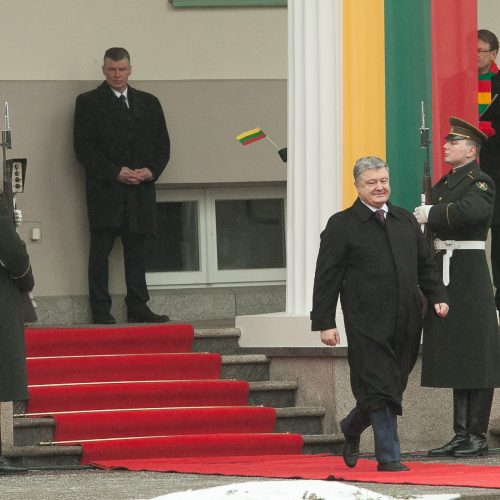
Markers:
{"x": 314, "y": 186}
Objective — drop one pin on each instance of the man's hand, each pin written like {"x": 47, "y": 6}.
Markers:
{"x": 145, "y": 174}
{"x": 129, "y": 176}
{"x": 330, "y": 337}
{"x": 441, "y": 309}
{"x": 421, "y": 213}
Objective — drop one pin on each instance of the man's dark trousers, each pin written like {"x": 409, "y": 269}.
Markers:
{"x": 101, "y": 244}
{"x": 385, "y": 431}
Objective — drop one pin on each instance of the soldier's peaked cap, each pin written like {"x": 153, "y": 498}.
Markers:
{"x": 460, "y": 129}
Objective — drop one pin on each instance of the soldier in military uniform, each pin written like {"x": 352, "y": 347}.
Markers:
{"x": 15, "y": 276}
{"x": 462, "y": 351}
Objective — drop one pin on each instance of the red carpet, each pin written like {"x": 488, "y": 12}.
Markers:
{"x": 74, "y": 397}
{"x": 139, "y": 393}
{"x": 318, "y": 467}
{"x": 200, "y": 446}
{"x": 175, "y": 421}
{"x": 112, "y": 368}
{"x": 113, "y": 340}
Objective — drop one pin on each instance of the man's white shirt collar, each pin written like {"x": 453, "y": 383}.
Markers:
{"x": 119, "y": 94}
{"x": 385, "y": 208}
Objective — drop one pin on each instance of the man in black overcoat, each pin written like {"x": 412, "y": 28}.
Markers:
{"x": 462, "y": 352}
{"x": 374, "y": 256}
{"x": 121, "y": 139}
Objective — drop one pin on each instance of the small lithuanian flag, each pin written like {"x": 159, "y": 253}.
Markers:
{"x": 250, "y": 136}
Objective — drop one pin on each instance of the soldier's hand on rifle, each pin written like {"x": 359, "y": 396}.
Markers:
{"x": 421, "y": 213}
{"x": 18, "y": 217}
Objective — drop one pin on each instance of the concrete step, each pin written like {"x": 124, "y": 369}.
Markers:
{"x": 273, "y": 393}
{"x": 251, "y": 367}
{"x": 30, "y": 431}
{"x": 323, "y": 443}
{"x": 43, "y": 456}
{"x": 221, "y": 340}
{"x": 69, "y": 456}
{"x": 300, "y": 420}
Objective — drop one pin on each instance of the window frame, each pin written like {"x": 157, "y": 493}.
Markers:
{"x": 209, "y": 275}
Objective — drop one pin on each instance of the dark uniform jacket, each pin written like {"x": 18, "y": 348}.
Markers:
{"x": 377, "y": 272}
{"x": 15, "y": 276}
{"x": 107, "y": 137}
{"x": 463, "y": 349}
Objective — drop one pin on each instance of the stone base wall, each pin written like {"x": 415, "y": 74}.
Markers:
{"x": 180, "y": 304}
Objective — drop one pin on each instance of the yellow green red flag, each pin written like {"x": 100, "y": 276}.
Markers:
{"x": 245, "y": 138}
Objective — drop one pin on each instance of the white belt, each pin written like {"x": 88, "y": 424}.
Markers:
{"x": 450, "y": 246}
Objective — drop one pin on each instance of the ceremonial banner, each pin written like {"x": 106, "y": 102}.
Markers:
{"x": 398, "y": 53}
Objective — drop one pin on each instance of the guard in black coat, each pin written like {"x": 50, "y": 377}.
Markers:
{"x": 463, "y": 351}
{"x": 121, "y": 139}
{"x": 374, "y": 256}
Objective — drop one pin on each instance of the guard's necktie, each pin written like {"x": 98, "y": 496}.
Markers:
{"x": 380, "y": 215}
{"x": 123, "y": 102}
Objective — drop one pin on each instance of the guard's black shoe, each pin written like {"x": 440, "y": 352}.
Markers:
{"x": 350, "y": 453}
{"x": 104, "y": 318}
{"x": 448, "y": 449}
{"x": 6, "y": 468}
{"x": 475, "y": 446}
{"x": 391, "y": 467}
{"x": 143, "y": 314}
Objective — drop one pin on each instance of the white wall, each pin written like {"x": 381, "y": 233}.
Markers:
{"x": 488, "y": 15}
{"x": 66, "y": 39}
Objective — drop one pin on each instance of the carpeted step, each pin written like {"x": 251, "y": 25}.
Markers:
{"x": 79, "y": 426}
{"x": 251, "y": 367}
{"x": 123, "y": 367}
{"x": 162, "y": 338}
{"x": 154, "y": 394}
{"x": 205, "y": 445}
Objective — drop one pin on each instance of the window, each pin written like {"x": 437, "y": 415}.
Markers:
{"x": 216, "y": 236}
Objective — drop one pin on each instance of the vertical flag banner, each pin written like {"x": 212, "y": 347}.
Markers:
{"x": 398, "y": 53}
{"x": 364, "y": 86}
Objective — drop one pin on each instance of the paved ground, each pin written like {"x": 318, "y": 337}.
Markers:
{"x": 86, "y": 484}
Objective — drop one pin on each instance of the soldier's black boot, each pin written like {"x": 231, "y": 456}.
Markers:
{"x": 479, "y": 418}
{"x": 460, "y": 424}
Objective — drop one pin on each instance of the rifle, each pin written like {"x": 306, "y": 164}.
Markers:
{"x": 426, "y": 196}
{"x": 13, "y": 182}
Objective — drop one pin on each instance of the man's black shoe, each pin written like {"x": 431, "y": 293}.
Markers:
{"x": 6, "y": 468}
{"x": 350, "y": 453}
{"x": 448, "y": 449}
{"x": 392, "y": 467}
{"x": 104, "y": 318}
{"x": 143, "y": 314}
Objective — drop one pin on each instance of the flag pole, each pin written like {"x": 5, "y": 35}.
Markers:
{"x": 277, "y": 148}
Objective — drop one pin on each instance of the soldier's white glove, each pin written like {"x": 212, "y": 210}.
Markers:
{"x": 421, "y": 213}
{"x": 18, "y": 217}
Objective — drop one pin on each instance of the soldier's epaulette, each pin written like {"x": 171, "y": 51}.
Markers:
{"x": 479, "y": 179}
